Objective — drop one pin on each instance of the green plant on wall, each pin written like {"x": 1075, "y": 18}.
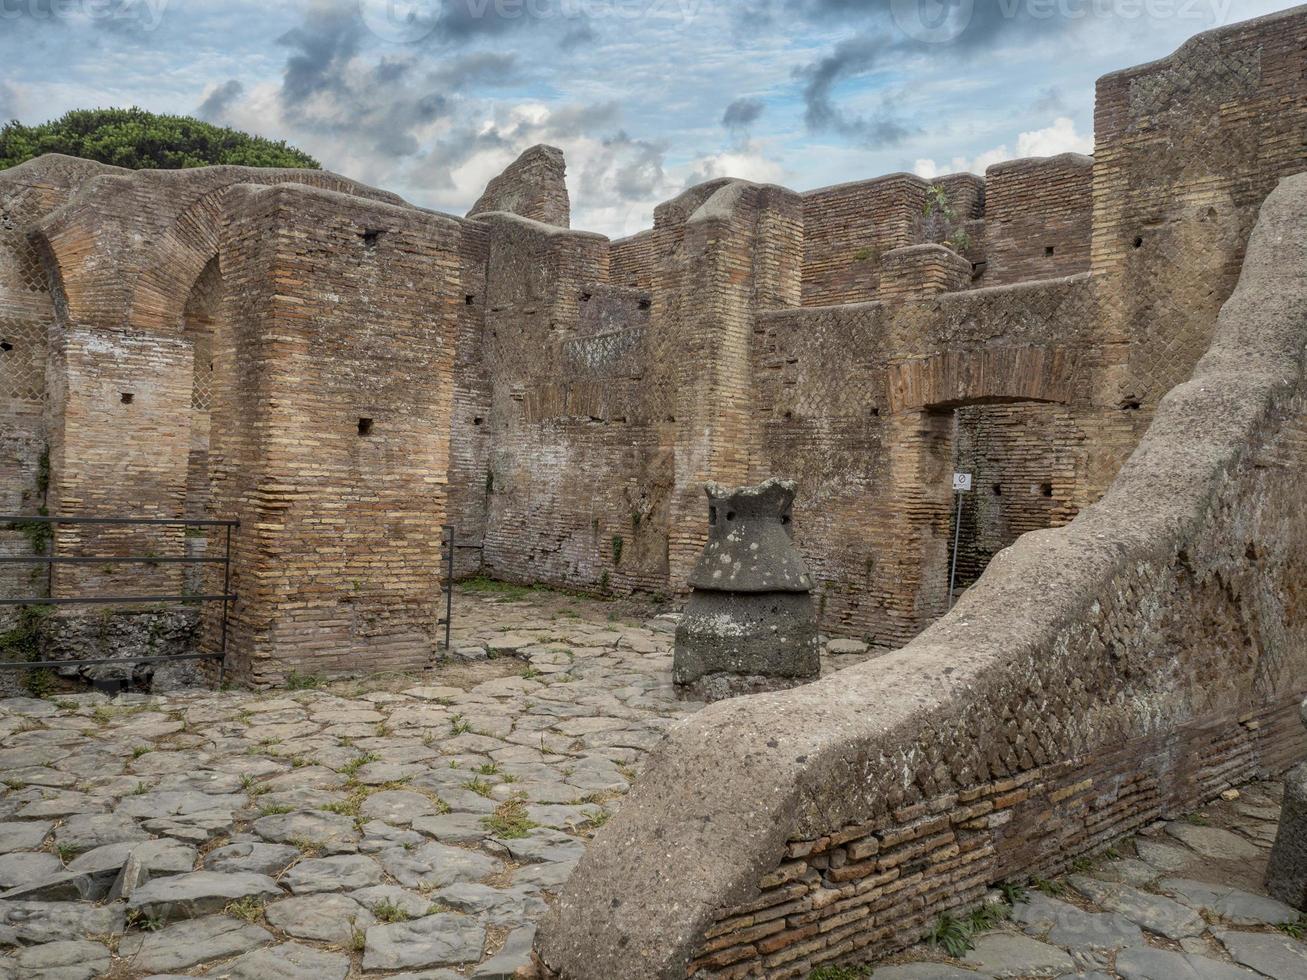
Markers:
{"x": 618, "y": 544}
{"x": 22, "y": 642}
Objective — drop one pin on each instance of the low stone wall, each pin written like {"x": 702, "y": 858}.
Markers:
{"x": 1098, "y": 676}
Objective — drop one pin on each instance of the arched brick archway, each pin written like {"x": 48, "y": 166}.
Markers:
{"x": 132, "y": 261}
{"x": 969, "y": 377}
{"x": 929, "y": 397}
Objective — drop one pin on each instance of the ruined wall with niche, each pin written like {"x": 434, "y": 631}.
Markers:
{"x": 330, "y": 443}
{"x": 1099, "y": 677}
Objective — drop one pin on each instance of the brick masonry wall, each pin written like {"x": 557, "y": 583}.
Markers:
{"x": 330, "y": 441}
{"x": 120, "y": 442}
{"x": 848, "y": 228}
{"x": 1037, "y": 218}
{"x": 27, "y": 194}
{"x": 855, "y": 403}
{"x": 1025, "y": 460}
{"x": 857, "y": 892}
{"x": 1186, "y": 148}
{"x": 470, "y": 425}
{"x": 631, "y": 260}
{"x": 1100, "y": 675}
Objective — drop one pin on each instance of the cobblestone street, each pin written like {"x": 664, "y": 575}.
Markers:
{"x": 402, "y": 824}
{"x": 1182, "y": 901}
{"x": 417, "y": 827}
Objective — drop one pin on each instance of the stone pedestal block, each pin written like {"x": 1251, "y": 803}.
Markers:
{"x": 750, "y": 624}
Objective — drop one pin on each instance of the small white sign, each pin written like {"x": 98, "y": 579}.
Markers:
{"x": 962, "y": 482}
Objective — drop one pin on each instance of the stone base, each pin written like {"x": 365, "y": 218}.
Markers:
{"x": 1286, "y": 873}
{"x": 719, "y": 687}
{"x": 752, "y": 637}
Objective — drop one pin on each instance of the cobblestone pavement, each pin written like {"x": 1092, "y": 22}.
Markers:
{"x": 1182, "y": 901}
{"x": 405, "y": 826}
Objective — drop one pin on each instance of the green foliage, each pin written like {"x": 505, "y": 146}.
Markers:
{"x": 509, "y": 821}
{"x": 1050, "y": 888}
{"x": 1013, "y": 893}
{"x": 840, "y": 973}
{"x": 141, "y": 140}
{"x": 988, "y": 915}
{"x": 1294, "y": 930}
{"x": 490, "y": 586}
{"x": 937, "y": 202}
{"x": 951, "y": 935}
{"x": 23, "y": 642}
{"x": 303, "y": 682}
{"x": 388, "y": 911}
{"x": 618, "y": 544}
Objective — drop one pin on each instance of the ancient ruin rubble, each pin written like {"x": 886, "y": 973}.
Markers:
{"x": 1111, "y": 346}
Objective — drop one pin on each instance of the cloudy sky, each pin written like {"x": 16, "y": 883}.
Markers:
{"x": 431, "y": 98}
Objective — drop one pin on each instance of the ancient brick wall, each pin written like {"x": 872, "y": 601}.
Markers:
{"x": 1025, "y": 460}
{"x": 330, "y": 441}
{"x": 631, "y": 260}
{"x": 27, "y": 194}
{"x": 532, "y": 186}
{"x": 727, "y": 251}
{"x": 922, "y": 270}
{"x": 1186, "y": 148}
{"x": 1038, "y": 214}
{"x": 856, "y": 405}
{"x": 1098, "y": 676}
{"x": 470, "y": 426}
{"x": 120, "y": 389}
{"x": 848, "y": 228}
{"x": 574, "y": 471}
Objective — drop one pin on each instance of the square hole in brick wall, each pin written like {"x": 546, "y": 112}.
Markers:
{"x": 127, "y": 397}
{"x": 1049, "y": 250}
{"x": 365, "y": 427}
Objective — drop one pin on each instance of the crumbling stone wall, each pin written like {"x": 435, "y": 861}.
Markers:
{"x": 532, "y": 187}
{"x": 1098, "y": 676}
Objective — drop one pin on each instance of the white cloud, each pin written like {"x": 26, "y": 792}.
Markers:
{"x": 1060, "y": 137}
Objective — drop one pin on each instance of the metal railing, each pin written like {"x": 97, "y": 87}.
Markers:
{"x": 226, "y": 597}
{"x": 448, "y": 545}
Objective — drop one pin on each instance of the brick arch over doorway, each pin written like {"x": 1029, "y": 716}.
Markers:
{"x": 967, "y": 377}
{"x": 994, "y": 395}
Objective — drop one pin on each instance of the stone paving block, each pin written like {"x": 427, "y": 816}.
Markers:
{"x": 435, "y": 940}
{"x": 191, "y": 943}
